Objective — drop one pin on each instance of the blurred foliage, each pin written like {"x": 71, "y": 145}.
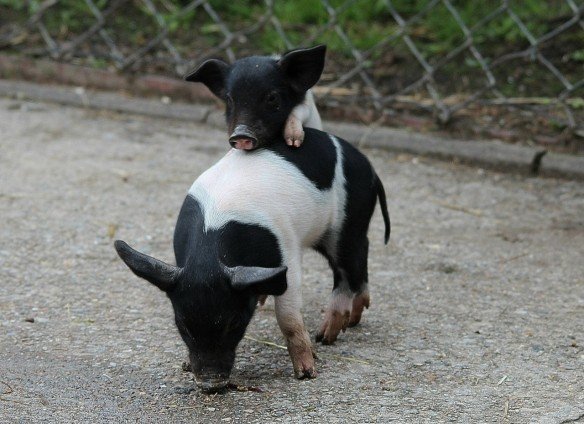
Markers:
{"x": 365, "y": 22}
{"x": 160, "y": 36}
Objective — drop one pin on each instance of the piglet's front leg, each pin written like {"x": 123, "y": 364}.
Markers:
{"x": 293, "y": 131}
{"x": 292, "y": 326}
{"x": 305, "y": 114}
{"x": 301, "y": 354}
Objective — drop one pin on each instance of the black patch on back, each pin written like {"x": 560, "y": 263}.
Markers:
{"x": 361, "y": 191}
{"x": 248, "y": 245}
{"x": 190, "y": 225}
{"x": 316, "y": 158}
{"x": 233, "y": 244}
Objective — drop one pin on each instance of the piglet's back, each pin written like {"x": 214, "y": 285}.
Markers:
{"x": 293, "y": 192}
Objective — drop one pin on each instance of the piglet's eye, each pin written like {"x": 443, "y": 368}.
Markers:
{"x": 272, "y": 99}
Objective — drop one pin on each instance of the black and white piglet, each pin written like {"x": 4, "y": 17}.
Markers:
{"x": 245, "y": 221}
{"x": 256, "y": 111}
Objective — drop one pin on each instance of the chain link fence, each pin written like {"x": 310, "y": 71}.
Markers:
{"x": 440, "y": 58}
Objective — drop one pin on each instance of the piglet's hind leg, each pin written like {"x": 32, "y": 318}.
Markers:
{"x": 337, "y": 316}
{"x": 350, "y": 294}
{"x": 360, "y": 301}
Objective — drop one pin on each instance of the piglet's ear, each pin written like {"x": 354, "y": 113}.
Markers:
{"x": 161, "y": 274}
{"x": 213, "y": 74}
{"x": 258, "y": 280}
{"x": 303, "y": 67}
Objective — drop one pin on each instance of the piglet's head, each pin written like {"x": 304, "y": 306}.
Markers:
{"x": 213, "y": 306}
{"x": 260, "y": 92}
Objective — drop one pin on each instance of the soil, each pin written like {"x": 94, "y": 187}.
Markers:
{"x": 477, "y": 303}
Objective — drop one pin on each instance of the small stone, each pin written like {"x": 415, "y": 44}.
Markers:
{"x": 183, "y": 390}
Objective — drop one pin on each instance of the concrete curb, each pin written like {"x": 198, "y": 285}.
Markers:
{"x": 45, "y": 71}
{"x": 487, "y": 154}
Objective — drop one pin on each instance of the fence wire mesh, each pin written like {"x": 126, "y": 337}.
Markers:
{"x": 438, "y": 57}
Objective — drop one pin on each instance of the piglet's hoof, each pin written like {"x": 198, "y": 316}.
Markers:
{"x": 293, "y": 132}
{"x": 305, "y": 372}
{"x": 262, "y": 299}
{"x": 296, "y": 140}
{"x": 302, "y": 361}
{"x": 360, "y": 302}
{"x": 334, "y": 322}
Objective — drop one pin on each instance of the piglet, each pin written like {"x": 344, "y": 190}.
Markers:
{"x": 245, "y": 222}
{"x": 255, "y": 113}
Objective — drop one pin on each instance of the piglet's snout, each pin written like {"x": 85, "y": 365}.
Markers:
{"x": 212, "y": 385}
{"x": 243, "y": 138}
{"x": 214, "y": 376}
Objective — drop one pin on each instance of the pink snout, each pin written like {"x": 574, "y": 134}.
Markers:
{"x": 243, "y": 144}
{"x": 243, "y": 138}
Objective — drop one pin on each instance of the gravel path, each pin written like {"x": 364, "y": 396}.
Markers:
{"x": 477, "y": 308}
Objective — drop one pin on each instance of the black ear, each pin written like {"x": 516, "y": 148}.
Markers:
{"x": 161, "y": 274}
{"x": 258, "y": 280}
{"x": 212, "y": 73}
{"x": 303, "y": 67}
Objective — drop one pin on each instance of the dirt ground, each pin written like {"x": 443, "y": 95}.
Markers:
{"x": 477, "y": 308}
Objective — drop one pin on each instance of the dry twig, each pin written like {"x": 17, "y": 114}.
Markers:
{"x": 10, "y": 390}
{"x": 512, "y": 258}
{"x": 470, "y": 211}
{"x": 324, "y": 355}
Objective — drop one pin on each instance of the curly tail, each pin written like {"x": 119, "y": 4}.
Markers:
{"x": 383, "y": 206}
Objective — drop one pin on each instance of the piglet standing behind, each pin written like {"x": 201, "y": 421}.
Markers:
{"x": 245, "y": 221}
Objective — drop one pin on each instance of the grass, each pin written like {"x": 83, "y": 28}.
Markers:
{"x": 365, "y": 23}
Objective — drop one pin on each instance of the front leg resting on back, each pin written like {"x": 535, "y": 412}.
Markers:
{"x": 305, "y": 114}
{"x": 290, "y": 321}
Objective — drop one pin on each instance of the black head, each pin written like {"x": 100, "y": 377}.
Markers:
{"x": 213, "y": 306}
{"x": 260, "y": 92}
